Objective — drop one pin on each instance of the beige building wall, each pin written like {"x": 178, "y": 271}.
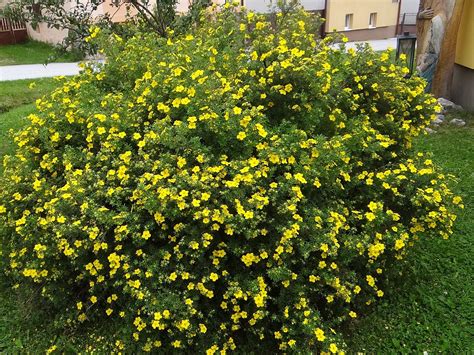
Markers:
{"x": 463, "y": 79}
{"x": 384, "y": 26}
{"x": 44, "y": 34}
{"x": 118, "y": 14}
{"x": 183, "y": 5}
{"x": 465, "y": 44}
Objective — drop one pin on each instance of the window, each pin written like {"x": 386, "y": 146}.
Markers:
{"x": 348, "y": 24}
{"x": 373, "y": 20}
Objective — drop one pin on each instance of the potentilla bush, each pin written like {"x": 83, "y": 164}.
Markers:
{"x": 245, "y": 186}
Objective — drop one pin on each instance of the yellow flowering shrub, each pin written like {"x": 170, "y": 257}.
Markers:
{"x": 245, "y": 185}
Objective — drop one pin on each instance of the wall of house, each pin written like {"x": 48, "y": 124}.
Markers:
{"x": 44, "y": 34}
{"x": 463, "y": 80}
{"x": 408, "y": 13}
{"x": 409, "y": 6}
{"x": 118, "y": 14}
{"x": 264, "y": 5}
{"x": 387, "y": 18}
{"x": 465, "y": 45}
{"x": 183, "y": 5}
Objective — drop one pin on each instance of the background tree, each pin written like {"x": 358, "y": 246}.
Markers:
{"x": 77, "y": 16}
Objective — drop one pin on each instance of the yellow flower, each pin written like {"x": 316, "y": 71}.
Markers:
{"x": 373, "y": 206}
{"x": 146, "y": 234}
{"x": 181, "y": 162}
{"x": 259, "y": 25}
{"x": 237, "y": 110}
{"x": 370, "y": 280}
{"x": 370, "y": 216}
{"x": 55, "y": 137}
{"x": 399, "y": 244}
{"x": 183, "y": 325}
{"x": 319, "y": 334}
{"x": 241, "y": 136}
{"x": 249, "y": 258}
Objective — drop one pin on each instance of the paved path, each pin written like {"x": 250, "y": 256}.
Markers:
{"x": 377, "y": 45}
{"x": 33, "y": 71}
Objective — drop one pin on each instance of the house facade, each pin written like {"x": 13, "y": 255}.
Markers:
{"x": 463, "y": 80}
{"x": 408, "y": 14}
{"x": 364, "y": 19}
{"x": 357, "y": 19}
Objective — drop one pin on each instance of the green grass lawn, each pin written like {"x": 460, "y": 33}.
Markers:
{"x": 21, "y": 92}
{"x": 31, "y": 52}
{"x": 12, "y": 120}
{"x": 428, "y": 307}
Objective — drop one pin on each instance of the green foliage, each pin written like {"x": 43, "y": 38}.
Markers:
{"x": 240, "y": 184}
{"x": 16, "y": 99}
{"x": 77, "y": 16}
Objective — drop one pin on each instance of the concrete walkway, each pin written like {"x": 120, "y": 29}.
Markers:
{"x": 33, "y": 71}
{"x": 377, "y": 45}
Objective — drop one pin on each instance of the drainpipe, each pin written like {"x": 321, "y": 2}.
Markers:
{"x": 398, "y": 18}
{"x": 326, "y": 17}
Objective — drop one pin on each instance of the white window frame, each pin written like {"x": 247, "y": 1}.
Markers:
{"x": 348, "y": 22}
{"x": 373, "y": 20}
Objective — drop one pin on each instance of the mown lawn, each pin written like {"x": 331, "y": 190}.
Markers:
{"x": 31, "y": 52}
{"x": 21, "y": 92}
{"x": 428, "y": 307}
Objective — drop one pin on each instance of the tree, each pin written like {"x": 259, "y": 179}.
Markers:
{"x": 77, "y": 16}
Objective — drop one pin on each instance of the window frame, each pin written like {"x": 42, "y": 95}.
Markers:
{"x": 348, "y": 22}
{"x": 373, "y": 20}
